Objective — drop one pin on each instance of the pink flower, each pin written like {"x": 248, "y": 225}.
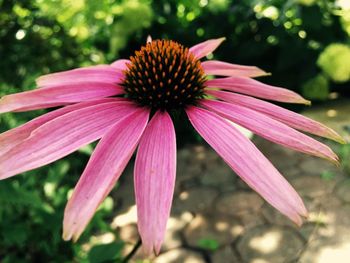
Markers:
{"x": 115, "y": 102}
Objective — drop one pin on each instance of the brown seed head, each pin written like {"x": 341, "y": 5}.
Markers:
{"x": 164, "y": 75}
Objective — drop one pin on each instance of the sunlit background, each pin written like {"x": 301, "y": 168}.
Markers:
{"x": 305, "y": 44}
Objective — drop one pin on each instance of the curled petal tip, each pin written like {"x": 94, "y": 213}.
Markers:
{"x": 298, "y": 221}
{"x": 265, "y": 73}
{"x": 330, "y": 156}
{"x": 303, "y": 211}
{"x": 336, "y": 162}
{"x": 302, "y": 214}
{"x": 261, "y": 73}
{"x": 75, "y": 238}
{"x": 306, "y": 102}
{"x": 147, "y": 250}
{"x": 305, "y": 215}
{"x": 302, "y": 100}
{"x": 302, "y": 217}
{"x": 334, "y": 159}
{"x": 340, "y": 139}
{"x": 333, "y": 135}
{"x": 157, "y": 249}
{"x": 66, "y": 236}
{"x": 221, "y": 39}
{"x": 299, "y": 215}
{"x": 151, "y": 248}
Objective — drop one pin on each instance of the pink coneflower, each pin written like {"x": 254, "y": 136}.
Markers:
{"x": 128, "y": 104}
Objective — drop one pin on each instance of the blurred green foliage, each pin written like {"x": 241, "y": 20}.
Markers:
{"x": 316, "y": 88}
{"x": 304, "y": 43}
{"x": 335, "y": 62}
{"x": 286, "y": 38}
{"x": 208, "y": 243}
{"x": 344, "y": 154}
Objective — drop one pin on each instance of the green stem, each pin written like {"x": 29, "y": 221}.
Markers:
{"x": 133, "y": 251}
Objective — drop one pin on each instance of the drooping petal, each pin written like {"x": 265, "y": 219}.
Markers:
{"x": 248, "y": 162}
{"x": 220, "y": 68}
{"x": 52, "y": 96}
{"x": 205, "y": 48}
{"x": 100, "y": 73}
{"x": 257, "y": 89}
{"x": 121, "y": 64}
{"x": 155, "y": 171}
{"x": 11, "y": 138}
{"x": 288, "y": 117}
{"x": 270, "y": 129}
{"x": 102, "y": 172}
{"x": 62, "y": 136}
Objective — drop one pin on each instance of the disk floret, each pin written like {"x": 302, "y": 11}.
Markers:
{"x": 164, "y": 75}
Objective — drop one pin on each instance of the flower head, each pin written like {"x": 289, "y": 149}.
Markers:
{"x": 114, "y": 103}
{"x": 164, "y": 75}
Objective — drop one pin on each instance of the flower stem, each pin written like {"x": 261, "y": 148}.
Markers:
{"x": 133, "y": 251}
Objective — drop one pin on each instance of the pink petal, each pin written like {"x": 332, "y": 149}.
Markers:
{"x": 52, "y": 96}
{"x": 248, "y": 162}
{"x": 288, "y": 117}
{"x": 102, "y": 172}
{"x": 257, "y": 89}
{"x": 205, "y": 48}
{"x": 62, "y": 136}
{"x": 15, "y": 136}
{"x": 100, "y": 73}
{"x": 155, "y": 171}
{"x": 270, "y": 129}
{"x": 219, "y": 68}
{"x": 121, "y": 64}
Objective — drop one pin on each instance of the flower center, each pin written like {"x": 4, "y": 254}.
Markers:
{"x": 164, "y": 75}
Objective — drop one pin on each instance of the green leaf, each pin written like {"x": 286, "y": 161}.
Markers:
{"x": 208, "y": 243}
{"x": 327, "y": 175}
{"x": 15, "y": 235}
{"x": 106, "y": 252}
{"x": 316, "y": 88}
